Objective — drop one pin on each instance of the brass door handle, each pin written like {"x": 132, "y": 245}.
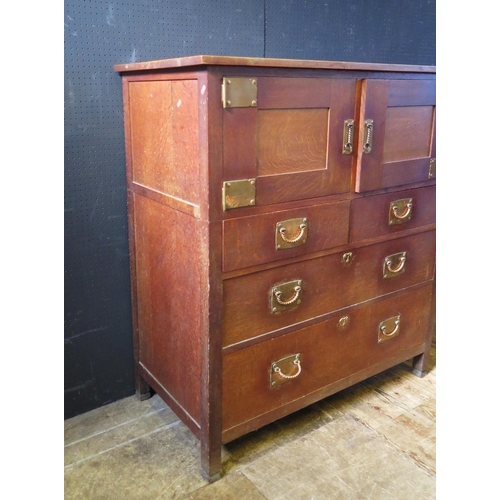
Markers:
{"x": 368, "y": 136}
{"x": 392, "y": 323}
{"x": 394, "y": 265}
{"x": 347, "y": 147}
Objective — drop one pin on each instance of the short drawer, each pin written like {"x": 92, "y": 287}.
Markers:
{"x": 277, "y": 298}
{"x": 276, "y": 236}
{"x": 391, "y": 213}
{"x": 274, "y": 373}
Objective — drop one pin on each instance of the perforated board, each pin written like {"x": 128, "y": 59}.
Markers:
{"x": 98, "y": 34}
{"x": 385, "y": 31}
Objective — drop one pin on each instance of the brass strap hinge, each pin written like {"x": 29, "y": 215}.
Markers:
{"x": 432, "y": 168}
{"x": 239, "y": 193}
{"x": 238, "y": 92}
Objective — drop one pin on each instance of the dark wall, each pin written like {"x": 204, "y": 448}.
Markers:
{"x": 98, "y": 34}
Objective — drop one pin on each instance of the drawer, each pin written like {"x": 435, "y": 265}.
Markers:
{"x": 392, "y": 213}
{"x": 328, "y": 352}
{"x": 326, "y": 284}
{"x": 276, "y": 236}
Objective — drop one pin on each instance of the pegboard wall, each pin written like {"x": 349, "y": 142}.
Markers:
{"x": 98, "y": 34}
{"x": 391, "y": 31}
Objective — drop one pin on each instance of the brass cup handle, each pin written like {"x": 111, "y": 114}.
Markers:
{"x": 294, "y": 297}
{"x": 399, "y": 267}
{"x": 390, "y": 334}
{"x": 296, "y": 362}
{"x": 282, "y": 233}
{"x": 405, "y": 214}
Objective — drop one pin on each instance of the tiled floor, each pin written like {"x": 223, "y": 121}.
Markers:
{"x": 375, "y": 441}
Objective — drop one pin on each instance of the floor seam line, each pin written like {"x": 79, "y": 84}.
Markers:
{"x": 165, "y": 427}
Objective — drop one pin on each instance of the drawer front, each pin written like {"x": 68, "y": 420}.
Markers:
{"x": 392, "y": 213}
{"x": 271, "y": 237}
{"x": 318, "y": 286}
{"x": 260, "y": 378}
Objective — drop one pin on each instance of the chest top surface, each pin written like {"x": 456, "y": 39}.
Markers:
{"x": 214, "y": 60}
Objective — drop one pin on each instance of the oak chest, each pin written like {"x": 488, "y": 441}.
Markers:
{"x": 282, "y": 232}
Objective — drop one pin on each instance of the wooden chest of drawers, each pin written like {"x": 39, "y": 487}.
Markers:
{"x": 282, "y": 232}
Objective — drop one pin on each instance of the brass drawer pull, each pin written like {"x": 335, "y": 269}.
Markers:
{"x": 295, "y": 296}
{"x": 302, "y": 228}
{"x": 368, "y": 137}
{"x": 394, "y": 265}
{"x": 285, "y": 230}
{"x": 292, "y": 290}
{"x": 391, "y": 323}
{"x": 400, "y": 211}
{"x": 277, "y": 370}
{"x": 404, "y": 215}
{"x": 289, "y": 364}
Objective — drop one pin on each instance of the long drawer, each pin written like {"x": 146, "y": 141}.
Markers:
{"x": 258, "y": 239}
{"x": 269, "y": 300}
{"x": 271, "y": 374}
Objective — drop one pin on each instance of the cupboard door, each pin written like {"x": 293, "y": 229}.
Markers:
{"x": 397, "y": 138}
{"x": 291, "y": 141}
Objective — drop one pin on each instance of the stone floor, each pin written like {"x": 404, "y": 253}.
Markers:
{"x": 376, "y": 440}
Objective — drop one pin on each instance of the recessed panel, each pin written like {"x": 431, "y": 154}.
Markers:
{"x": 164, "y": 139}
{"x": 291, "y": 140}
{"x": 407, "y": 133}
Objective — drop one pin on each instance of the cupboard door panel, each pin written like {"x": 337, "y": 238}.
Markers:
{"x": 402, "y": 135}
{"x": 291, "y": 141}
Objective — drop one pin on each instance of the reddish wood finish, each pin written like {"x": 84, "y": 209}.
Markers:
{"x": 294, "y": 150}
{"x": 291, "y": 140}
{"x": 211, "y": 276}
{"x": 328, "y": 284}
{"x": 370, "y": 215}
{"x": 329, "y": 354}
{"x": 164, "y": 142}
{"x": 255, "y": 62}
{"x": 204, "y": 333}
{"x": 251, "y": 240}
{"x": 408, "y": 133}
{"x": 167, "y": 261}
{"x": 403, "y": 133}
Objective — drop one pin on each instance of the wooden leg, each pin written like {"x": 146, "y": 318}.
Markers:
{"x": 210, "y": 479}
{"x": 421, "y": 364}
{"x": 211, "y": 450}
{"x": 142, "y": 389}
